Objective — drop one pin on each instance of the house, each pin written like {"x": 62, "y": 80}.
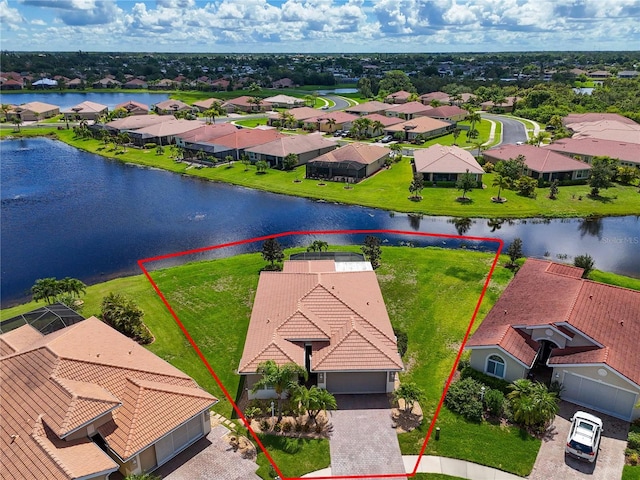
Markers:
{"x": 163, "y": 84}
{"x": 33, "y": 111}
{"x": 172, "y": 106}
{"x": 85, "y": 401}
{"x": 284, "y": 101}
{"x": 245, "y": 104}
{"x": 329, "y": 317}
{"x": 439, "y": 97}
{"x": 451, "y": 113}
{"x": 330, "y": 122}
{"x": 306, "y": 147}
{"x": 595, "y": 117}
{"x": 408, "y": 110}
{"x": 299, "y": 115}
{"x": 384, "y": 121}
{"x": 425, "y": 126}
{"x": 542, "y": 163}
{"x": 133, "y": 108}
{"x": 204, "y": 105}
{"x": 398, "y": 97}
{"x": 585, "y": 149}
{"x": 283, "y": 83}
{"x": 10, "y": 84}
{"x": 163, "y": 133}
{"x": 368, "y": 108}
{"x": 45, "y": 83}
{"x": 107, "y": 83}
{"x": 350, "y": 163}
{"x": 220, "y": 84}
{"x": 600, "y": 74}
{"x": 628, "y": 74}
{"x": 235, "y": 143}
{"x": 551, "y": 323}
{"x": 85, "y": 111}
{"x": 203, "y": 138}
{"x": 439, "y": 163}
{"x": 507, "y": 105}
{"x": 136, "y": 83}
{"x": 607, "y": 130}
{"x": 75, "y": 83}
{"x": 135, "y": 122}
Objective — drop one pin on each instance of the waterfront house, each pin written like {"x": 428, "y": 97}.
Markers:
{"x": 425, "y": 127}
{"x": 85, "y": 111}
{"x": 306, "y": 147}
{"x": 350, "y": 163}
{"x": 439, "y": 163}
{"x": 133, "y": 108}
{"x": 33, "y": 111}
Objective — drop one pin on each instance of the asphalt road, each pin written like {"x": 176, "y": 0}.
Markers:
{"x": 513, "y": 131}
{"x": 340, "y": 103}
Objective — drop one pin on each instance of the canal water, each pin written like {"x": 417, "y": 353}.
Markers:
{"x": 66, "y": 212}
{"x": 70, "y": 99}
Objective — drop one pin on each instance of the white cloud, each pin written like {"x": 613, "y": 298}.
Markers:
{"x": 38, "y": 22}
{"x": 10, "y": 16}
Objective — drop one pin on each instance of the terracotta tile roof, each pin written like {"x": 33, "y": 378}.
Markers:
{"x": 284, "y": 99}
{"x": 419, "y": 125}
{"x": 567, "y": 270}
{"x": 595, "y": 117}
{"x": 86, "y": 107}
{"x": 537, "y": 159}
{"x": 445, "y": 111}
{"x": 243, "y": 101}
{"x": 246, "y": 138}
{"x": 207, "y": 133}
{"x": 72, "y": 377}
{"x": 361, "y": 153}
{"x": 545, "y": 294}
{"x": 401, "y": 94}
{"x": 338, "y": 116}
{"x": 132, "y": 105}
{"x": 368, "y": 107}
{"x": 594, "y": 147}
{"x": 206, "y": 104}
{"x": 36, "y": 107}
{"x": 170, "y": 128}
{"x": 607, "y": 130}
{"x": 18, "y": 339}
{"x": 300, "y": 113}
{"x": 440, "y": 96}
{"x": 172, "y": 105}
{"x": 135, "y": 122}
{"x": 384, "y": 120}
{"x": 298, "y": 144}
{"x": 444, "y": 159}
{"x": 305, "y": 303}
{"x": 409, "y": 108}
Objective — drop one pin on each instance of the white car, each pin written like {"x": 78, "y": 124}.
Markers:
{"x": 583, "y": 440}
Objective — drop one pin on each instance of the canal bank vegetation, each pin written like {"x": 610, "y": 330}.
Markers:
{"x": 213, "y": 300}
{"x": 388, "y": 189}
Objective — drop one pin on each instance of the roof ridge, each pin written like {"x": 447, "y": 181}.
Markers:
{"x": 119, "y": 367}
{"x": 37, "y": 437}
{"x": 134, "y": 417}
{"x": 165, "y": 387}
{"x": 273, "y": 342}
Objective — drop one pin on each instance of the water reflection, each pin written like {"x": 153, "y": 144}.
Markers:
{"x": 591, "y": 226}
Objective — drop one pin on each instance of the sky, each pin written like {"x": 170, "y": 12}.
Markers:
{"x": 319, "y": 26}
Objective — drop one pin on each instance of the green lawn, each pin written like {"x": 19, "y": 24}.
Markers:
{"x": 251, "y": 123}
{"x": 631, "y": 473}
{"x": 435, "y": 476}
{"x": 293, "y": 456}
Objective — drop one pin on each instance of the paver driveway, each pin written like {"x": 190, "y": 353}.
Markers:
{"x": 552, "y": 462}
{"x": 363, "y": 439}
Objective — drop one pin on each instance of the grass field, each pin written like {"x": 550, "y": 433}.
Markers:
{"x": 293, "y": 456}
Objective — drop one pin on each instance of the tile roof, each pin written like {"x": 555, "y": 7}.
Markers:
{"x": 409, "y": 108}
{"x": 594, "y": 147}
{"x": 298, "y": 144}
{"x": 445, "y": 111}
{"x": 170, "y": 128}
{"x": 71, "y": 378}
{"x": 37, "y": 107}
{"x": 595, "y": 117}
{"x": 444, "y": 159}
{"x": 339, "y": 117}
{"x": 383, "y": 119}
{"x": 543, "y": 293}
{"x": 86, "y": 107}
{"x": 300, "y": 113}
{"x": 537, "y": 159}
{"x": 135, "y": 122}
{"x": 440, "y": 96}
{"x": 286, "y": 99}
{"x": 207, "y": 133}
{"x": 343, "y": 313}
{"x": 171, "y": 105}
{"x": 132, "y": 105}
{"x": 400, "y": 94}
{"x": 206, "y": 104}
{"x": 362, "y": 153}
{"x": 368, "y": 107}
{"x": 243, "y": 101}
{"x": 419, "y": 125}
{"x": 607, "y": 130}
{"x": 246, "y": 138}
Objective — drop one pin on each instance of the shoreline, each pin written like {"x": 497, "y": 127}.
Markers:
{"x": 388, "y": 194}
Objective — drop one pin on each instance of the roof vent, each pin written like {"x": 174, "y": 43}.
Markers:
{"x": 14, "y": 437}
{"x": 591, "y": 296}
{"x": 622, "y": 323}
{"x": 505, "y": 312}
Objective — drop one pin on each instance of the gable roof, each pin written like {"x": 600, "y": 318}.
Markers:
{"x": 595, "y": 117}
{"x": 61, "y": 382}
{"x": 246, "y": 138}
{"x": 368, "y": 107}
{"x": 299, "y": 113}
{"x": 419, "y": 125}
{"x": 400, "y": 94}
{"x": 342, "y": 312}
{"x": 607, "y": 314}
{"x": 286, "y": 99}
{"x": 444, "y": 159}
{"x": 538, "y": 159}
{"x": 87, "y": 107}
{"x": 362, "y": 153}
{"x": 284, "y": 145}
{"x": 339, "y": 116}
{"x": 595, "y": 147}
{"x": 383, "y": 119}
{"x": 207, "y": 133}
{"x": 607, "y": 130}
{"x": 409, "y": 108}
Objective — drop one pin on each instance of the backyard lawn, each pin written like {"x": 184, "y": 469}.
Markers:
{"x": 293, "y": 456}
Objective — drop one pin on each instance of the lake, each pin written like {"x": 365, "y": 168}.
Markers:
{"x": 65, "y": 212}
{"x": 71, "y": 99}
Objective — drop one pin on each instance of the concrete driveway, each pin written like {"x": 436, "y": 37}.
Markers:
{"x": 363, "y": 439}
{"x": 552, "y": 462}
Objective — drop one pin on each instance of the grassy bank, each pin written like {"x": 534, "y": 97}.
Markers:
{"x": 388, "y": 189}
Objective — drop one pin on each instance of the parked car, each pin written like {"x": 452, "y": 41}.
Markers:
{"x": 338, "y": 133}
{"x": 324, "y": 107}
{"x": 583, "y": 440}
{"x": 386, "y": 139}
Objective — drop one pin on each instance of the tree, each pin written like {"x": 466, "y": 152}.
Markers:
{"x": 123, "y": 314}
{"x": 500, "y": 182}
{"x": 46, "y": 289}
{"x": 17, "y": 121}
{"x": 372, "y": 251}
{"x": 364, "y": 85}
{"x": 214, "y": 111}
{"x": 257, "y": 101}
{"x": 290, "y": 161}
{"x": 410, "y": 393}
{"x": 473, "y": 117}
{"x": 141, "y": 476}
{"x": 281, "y": 378}
{"x": 526, "y": 186}
{"x": 246, "y": 161}
{"x": 396, "y": 80}
{"x": 603, "y": 170}
{"x": 377, "y": 127}
{"x": 538, "y": 139}
{"x": 201, "y": 155}
{"x": 462, "y": 224}
{"x": 416, "y": 186}
{"x": 396, "y": 149}
{"x": 628, "y": 175}
{"x": 511, "y": 169}
{"x": 313, "y": 400}
{"x": 456, "y": 134}
{"x": 331, "y": 123}
{"x": 261, "y": 166}
{"x": 124, "y": 139}
{"x": 272, "y": 252}
{"x": 514, "y": 251}
{"x": 228, "y": 159}
{"x": 318, "y": 246}
{"x": 466, "y": 182}
{"x": 553, "y": 189}
{"x": 72, "y": 286}
{"x": 532, "y": 403}
{"x": 585, "y": 262}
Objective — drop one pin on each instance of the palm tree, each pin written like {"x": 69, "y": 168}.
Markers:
{"x": 257, "y": 101}
{"x": 377, "y": 127}
{"x": 72, "y": 286}
{"x": 473, "y": 117}
{"x": 495, "y": 224}
{"x": 46, "y": 289}
{"x": 123, "y": 139}
{"x": 396, "y": 148}
{"x": 532, "y": 403}
{"x": 538, "y": 139}
{"x": 500, "y": 182}
{"x": 17, "y": 121}
{"x": 456, "y": 134}
{"x": 331, "y": 123}
{"x": 254, "y": 87}
{"x": 281, "y": 378}
{"x": 201, "y": 155}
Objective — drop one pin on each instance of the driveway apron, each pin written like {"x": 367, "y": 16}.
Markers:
{"x": 363, "y": 440}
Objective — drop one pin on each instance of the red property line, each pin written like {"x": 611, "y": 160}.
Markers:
{"x": 499, "y": 242}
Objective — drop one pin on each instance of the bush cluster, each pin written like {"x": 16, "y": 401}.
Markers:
{"x": 463, "y": 397}
{"x": 402, "y": 341}
{"x": 492, "y": 382}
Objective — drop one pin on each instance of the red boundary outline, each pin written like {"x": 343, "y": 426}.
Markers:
{"x": 327, "y": 232}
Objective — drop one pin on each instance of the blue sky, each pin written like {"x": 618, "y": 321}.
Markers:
{"x": 308, "y": 26}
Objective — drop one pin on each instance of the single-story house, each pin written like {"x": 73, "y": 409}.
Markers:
{"x": 135, "y": 122}
{"x": 299, "y": 114}
{"x": 440, "y": 97}
{"x": 133, "y": 108}
{"x": 439, "y": 163}
{"x": 600, "y": 74}
{"x": 283, "y": 83}
{"x": 550, "y": 323}
{"x": 384, "y": 120}
{"x": 628, "y": 74}
{"x": 507, "y": 106}
{"x": 163, "y": 133}
{"x": 284, "y": 101}
{"x": 368, "y": 108}
{"x": 136, "y": 83}
{"x": 585, "y": 149}
{"x": 328, "y": 317}
{"x": 106, "y": 83}
{"x": 162, "y": 84}
{"x": 425, "y": 126}
{"x": 172, "y": 106}
{"x": 541, "y": 162}
{"x": 33, "y": 111}
{"x": 235, "y": 143}
{"x": 408, "y": 110}
{"x": 607, "y": 130}
{"x": 400, "y": 96}
{"x": 306, "y": 147}
{"x": 243, "y": 104}
{"x": 85, "y": 401}
{"x": 10, "y": 84}
{"x": 75, "y": 83}
{"x": 204, "y": 105}
{"x": 595, "y": 117}
{"x": 451, "y": 113}
{"x": 45, "y": 83}
{"x": 85, "y": 111}
{"x": 331, "y": 121}
{"x": 350, "y": 163}
{"x": 195, "y": 139}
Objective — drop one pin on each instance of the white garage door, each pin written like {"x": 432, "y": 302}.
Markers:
{"x": 600, "y": 396}
{"x": 361, "y": 382}
{"x": 172, "y": 444}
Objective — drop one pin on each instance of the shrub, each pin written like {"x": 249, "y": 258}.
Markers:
{"x": 633, "y": 459}
{"x": 463, "y": 398}
{"x": 265, "y": 425}
{"x": 492, "y": 382}
{"x": 298, "y": 427}
{"x": 526, "y": 186}
{"x": 495, "y": 402}
{"x": 277, "y": 427}
{"x": 149, "y": 145}
{"x": 319, "y": 428}
{"x": 633, "y": 440}
{"x": 286, "y": 426}
{"x": 402, "y": 340}
{"x": 489, "y": 167}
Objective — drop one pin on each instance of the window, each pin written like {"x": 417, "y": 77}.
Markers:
{"x": 495, "y": 366}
